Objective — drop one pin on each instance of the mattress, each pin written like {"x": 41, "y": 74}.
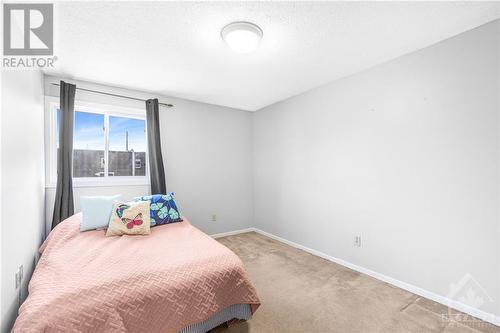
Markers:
{"x": 163, "y": 282}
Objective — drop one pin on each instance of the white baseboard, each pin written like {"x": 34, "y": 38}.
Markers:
{"x": 230, "y": 233}
{"x": 488, "y": 317}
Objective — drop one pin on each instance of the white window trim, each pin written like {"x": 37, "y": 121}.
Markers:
{"x": 51, "y": 103}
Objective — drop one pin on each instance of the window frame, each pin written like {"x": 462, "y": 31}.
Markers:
{"x": 51, "y": 105}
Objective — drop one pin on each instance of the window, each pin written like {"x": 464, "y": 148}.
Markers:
{"x": 127, "y": 145}
{"x": 109, "y": 145}
{"x": 88, "y": 145}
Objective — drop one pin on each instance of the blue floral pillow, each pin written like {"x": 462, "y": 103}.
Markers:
{"x": 163, "y": 208}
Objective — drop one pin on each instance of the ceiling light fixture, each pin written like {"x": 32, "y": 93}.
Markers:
{"x": 242, "y": 37}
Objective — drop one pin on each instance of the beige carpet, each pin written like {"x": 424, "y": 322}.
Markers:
{"x": 304, "y": 293}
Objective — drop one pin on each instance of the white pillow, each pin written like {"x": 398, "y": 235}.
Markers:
{"x": 96, "y": 211}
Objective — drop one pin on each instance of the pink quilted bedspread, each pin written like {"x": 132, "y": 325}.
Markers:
{"x": 163, "y": 282}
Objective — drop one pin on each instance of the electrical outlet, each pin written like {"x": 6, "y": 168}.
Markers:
{"x": 17, "y": 280}
{"x": 19, "y": 276}
{"x": 214, "y": 217}
{"x": 357, "y": 241}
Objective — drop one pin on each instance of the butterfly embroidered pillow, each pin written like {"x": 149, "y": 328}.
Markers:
{"x": 163, "y": 208}
{"x": 129, "y": 218}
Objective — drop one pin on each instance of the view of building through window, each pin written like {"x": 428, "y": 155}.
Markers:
{"x": 126, "y": 145}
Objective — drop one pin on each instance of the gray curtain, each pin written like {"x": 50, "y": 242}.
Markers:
{"x": 156, "y": 169}
{"x": 63, "y": 205}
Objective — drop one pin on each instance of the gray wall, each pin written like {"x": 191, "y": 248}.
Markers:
{"x": 22, "y": 191}
{"x": 405, "y": 155}
{"x": 207, "y": 157}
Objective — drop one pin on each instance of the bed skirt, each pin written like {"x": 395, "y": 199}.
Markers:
{"x": 236, "y": 311}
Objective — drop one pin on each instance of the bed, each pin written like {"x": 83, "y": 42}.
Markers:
{"x": 177, "y": 279}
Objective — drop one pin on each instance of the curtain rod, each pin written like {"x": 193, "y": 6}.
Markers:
{"x": 115, "y": 95}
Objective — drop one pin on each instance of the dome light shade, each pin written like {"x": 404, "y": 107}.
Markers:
{"x": 242, "y": 37}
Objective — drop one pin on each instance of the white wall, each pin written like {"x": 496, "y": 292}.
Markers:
{"x": 22, "y": 191}
{"x": 208, "y": 164}
{"x": 207, "y": 158}
{"x": 405, "y": 155}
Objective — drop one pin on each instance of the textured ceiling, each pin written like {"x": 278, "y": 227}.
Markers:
{"x": 174, "y": 48}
